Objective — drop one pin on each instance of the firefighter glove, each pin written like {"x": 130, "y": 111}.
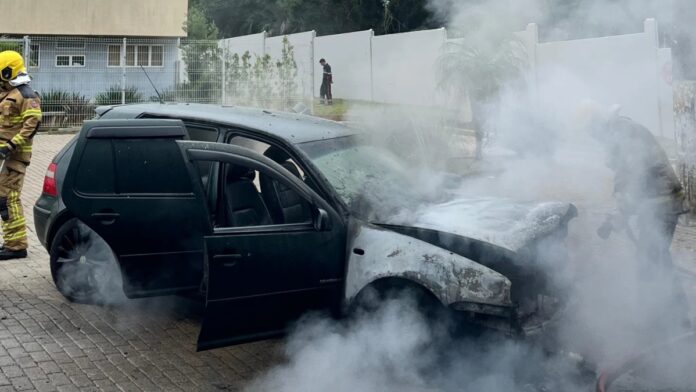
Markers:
{"x": 4, "y": 152}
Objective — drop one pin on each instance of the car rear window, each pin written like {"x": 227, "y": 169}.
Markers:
{"x": 150, "y": 166}
{"x": 132, "y": 166}
{"x": 95, "y": 173}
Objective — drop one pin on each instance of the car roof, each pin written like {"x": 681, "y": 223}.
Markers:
{"x": 295, "y": 128}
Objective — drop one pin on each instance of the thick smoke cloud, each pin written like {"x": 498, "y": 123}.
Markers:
{"x": 614, "y": 308}
{"x": 395, "y": 349}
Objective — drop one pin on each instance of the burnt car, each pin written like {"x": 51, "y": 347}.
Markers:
{"x": 271, "y": 214}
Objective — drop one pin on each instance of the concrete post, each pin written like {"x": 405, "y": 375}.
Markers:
{"x": 223, "y": 60}
{"x": 26, "y": 51}
{"x": 312, "y": 67}
{"x": 123, "y": 71}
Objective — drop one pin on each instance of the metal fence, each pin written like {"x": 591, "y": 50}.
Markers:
{"x": 74, "y": 75}
{"x": 685, "y": 115}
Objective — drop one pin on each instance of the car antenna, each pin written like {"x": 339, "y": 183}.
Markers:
{"x": 153, "y": 85}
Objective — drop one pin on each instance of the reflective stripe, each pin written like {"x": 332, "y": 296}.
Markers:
{"x": 31, "y": 112}
{"x": 19, "y": 140}
{"x": 25, "y": 149}
{"x": 14, "y": 224}
{"x": 16, "y": 236}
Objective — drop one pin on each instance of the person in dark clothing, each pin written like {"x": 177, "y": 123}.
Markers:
{"x": 326, "y": 81}
{"x": 645, "y": 186}
{"x": 649, "y": 194}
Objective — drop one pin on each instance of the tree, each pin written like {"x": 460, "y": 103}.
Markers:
{"x": 479, "y": 72}
{"x": 202, "y": 58}
{"x": 241, "y": 17}
{"x": 198, "y": 26}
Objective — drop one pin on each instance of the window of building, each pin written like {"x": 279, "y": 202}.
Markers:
{"x": 114, "y": 55}
{"x": 70, "y": 60}
{"x": 137, "y": 55}
{"x": 34, "y": 55}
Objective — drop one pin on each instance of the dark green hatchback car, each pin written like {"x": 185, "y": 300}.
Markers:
{"x": 268, "y": 215}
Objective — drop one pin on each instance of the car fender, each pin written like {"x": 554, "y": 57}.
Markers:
{"x": 377, "y": 253}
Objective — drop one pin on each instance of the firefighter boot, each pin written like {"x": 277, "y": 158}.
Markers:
{"x": 6, "y": 254}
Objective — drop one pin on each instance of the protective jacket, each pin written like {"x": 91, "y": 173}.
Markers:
{"x": 644, "y": 177}
{"x": 20, "y": 116}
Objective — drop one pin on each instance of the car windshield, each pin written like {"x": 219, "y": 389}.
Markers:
{"x": 370, "y": 179}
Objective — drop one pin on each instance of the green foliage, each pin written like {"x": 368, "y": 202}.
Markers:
{"x": 74, "y": 107}
{"x": 198, "y": 26}
{"x": 241, "y": 17}
{"x": 11, "y": 45}
{"x": 287, "y": 72}
{"x": 113, "y": 96}
{"x": 481, "y": 71}
{"x": 478, "y": 72}
{"x": 261, "y": 81}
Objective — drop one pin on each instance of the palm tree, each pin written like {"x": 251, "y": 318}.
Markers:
{"x": 479, "y": 72}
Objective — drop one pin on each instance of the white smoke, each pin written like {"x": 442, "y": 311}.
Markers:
{"x": 395, "y": 349}
{"x": 615, "y": 309}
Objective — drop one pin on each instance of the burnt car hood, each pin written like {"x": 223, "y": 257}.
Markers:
{"x": 504, "y": 223}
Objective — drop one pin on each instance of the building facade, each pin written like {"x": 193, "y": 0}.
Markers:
{"x": 97, "y": 47}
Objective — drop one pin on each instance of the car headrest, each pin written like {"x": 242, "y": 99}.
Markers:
{"x": 276, "y": 154}
{"x": 237, "y": 173}
{"x": 289, "y": 166}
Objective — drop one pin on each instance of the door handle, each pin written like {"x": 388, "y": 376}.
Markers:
{"x": 229, "y": 259}
{"x": 106, "y": 217}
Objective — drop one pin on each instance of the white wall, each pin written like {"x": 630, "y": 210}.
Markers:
{"x": 254, "y": 44}
{"x": 404, "y": 67}
{"x": 630, "y": 69}
{"x": 304, "y": 53}
{"x": 350, "y": 57}
{"x": 622, "y": 69}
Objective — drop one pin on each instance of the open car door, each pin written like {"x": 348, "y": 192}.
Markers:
{"x": 261, "y": 274}
{"x": 128, "y": 183}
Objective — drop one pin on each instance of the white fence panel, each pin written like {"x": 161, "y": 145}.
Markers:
{"x": 622, "y": 69}
{"x": 255, "y": 44}
{"x": 404, "y": 67}
{"x": 350, "y": 57}
{"x": 304, "y": 54}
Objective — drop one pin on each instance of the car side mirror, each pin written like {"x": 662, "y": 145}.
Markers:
{"x": 322, "y": 220}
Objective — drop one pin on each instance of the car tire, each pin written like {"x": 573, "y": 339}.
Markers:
{"x": 83, "y": 266}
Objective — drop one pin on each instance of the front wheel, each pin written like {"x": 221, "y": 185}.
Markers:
{"x": 83, "y": 267}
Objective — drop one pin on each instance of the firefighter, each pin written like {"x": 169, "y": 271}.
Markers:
{"x": 645, "y": 187}
{"x": 20, "y": 116}
{"x": 326, "y": 81}
{"x": 650, "y": 197}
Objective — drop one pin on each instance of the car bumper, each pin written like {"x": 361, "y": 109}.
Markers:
{"x": 42, "y": 223}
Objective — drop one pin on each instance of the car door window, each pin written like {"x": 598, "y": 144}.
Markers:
{"x": 248, "y": 197}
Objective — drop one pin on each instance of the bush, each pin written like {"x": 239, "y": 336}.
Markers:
{"x": 112, "y": 96}
{"x": 67, "y": 108}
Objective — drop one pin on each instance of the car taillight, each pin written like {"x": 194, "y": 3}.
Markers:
{"x": 49, "y": 185}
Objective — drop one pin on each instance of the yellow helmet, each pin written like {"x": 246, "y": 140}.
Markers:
{"x": 11, "y": 65}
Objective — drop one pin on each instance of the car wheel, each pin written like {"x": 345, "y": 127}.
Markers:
{"x": 83, "y": 267}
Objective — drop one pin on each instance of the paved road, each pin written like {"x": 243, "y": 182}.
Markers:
{"x": 47, "y": 343}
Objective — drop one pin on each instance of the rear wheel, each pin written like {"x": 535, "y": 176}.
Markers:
{"x": 83, "y": 266}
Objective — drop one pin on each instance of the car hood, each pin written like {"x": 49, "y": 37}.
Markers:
{"x": 504, "y": 223}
